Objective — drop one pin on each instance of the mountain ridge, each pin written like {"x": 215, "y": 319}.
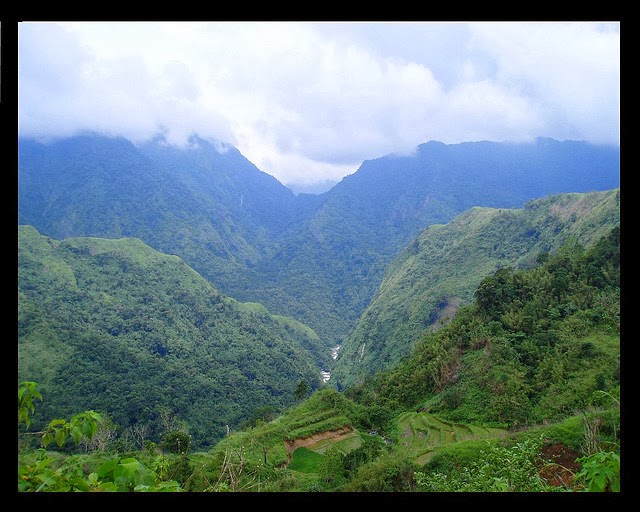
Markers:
{"x": 114, "y": 325}
{"x": 317, "y": 258}
{"x": 442, "y": 267}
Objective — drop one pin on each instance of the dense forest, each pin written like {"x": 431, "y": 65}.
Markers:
{"x": 531, "y": 366}
{"x": 441, "y": 268}
{"x": 114, "y": 325}
{"x": 532, "y": 347}
{"x": 317, "y": 258}
{"x": 444, "y": 321}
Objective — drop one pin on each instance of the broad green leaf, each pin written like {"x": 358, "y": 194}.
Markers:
{"x": 47, "y": 438}
{"x": 108, "y": 467}
{"x": 61, "y": 437}
{"x": 600, "y": 482}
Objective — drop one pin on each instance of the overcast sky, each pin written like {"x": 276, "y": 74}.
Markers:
{"x": 307, "y": 102}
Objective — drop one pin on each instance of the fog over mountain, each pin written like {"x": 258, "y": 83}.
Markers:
{"x": 317, "y": 258}
{"x": 307, "y": 102}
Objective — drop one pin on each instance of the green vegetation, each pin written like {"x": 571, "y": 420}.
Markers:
{"x": 441, "y": 269}
{"x": 600, "y": 472}
{"x": 534, "y": 346}
{"x": 186, "y": 389}
{"x": 115, "y": 326}
{"x": 40, "y": 472}
{"x": 423, "y": 433}
{"x": 305, "y": 461}
{"x": 318, "y": 259}
{"x": 494, "y": 469}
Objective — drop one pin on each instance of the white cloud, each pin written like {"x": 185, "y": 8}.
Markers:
{"x": 310, "y": 101}
{"x": 570, "y": 70}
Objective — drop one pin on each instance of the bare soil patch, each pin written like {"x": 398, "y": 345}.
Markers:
{"x": 562, "y": 465}
{"x": 292, "y": 444}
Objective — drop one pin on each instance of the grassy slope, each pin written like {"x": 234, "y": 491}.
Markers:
{"x": 421, "y": 435}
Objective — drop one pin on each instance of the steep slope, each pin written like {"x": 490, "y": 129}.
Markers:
{"x": 317, "y": 258}
{"x": 535, "y": 345}
{"x": 256, "y": 201}
{"x": 442, "y": 267}
{"x": 118, "y": 327}
{"x": 525, "y": 362}
{"x": 334, "y": 263}
{"x": 105, "y": 187}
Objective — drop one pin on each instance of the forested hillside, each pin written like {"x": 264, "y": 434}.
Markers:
{"x": 440, "y": 270}
{"x": 520, "y": 392}
{"x": 319, "y": 259}
{"x": 115, "y": 326}
{"x": 533, "y": 346}
{"x": 529, "y": 371}
{"x": 188, "y": 303}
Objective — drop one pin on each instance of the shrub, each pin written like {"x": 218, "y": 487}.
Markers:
{"x": 499, "y": 469}
{"x": 176, "y": 441}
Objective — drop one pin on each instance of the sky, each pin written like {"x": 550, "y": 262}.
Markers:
{"x": 308, "y": 102}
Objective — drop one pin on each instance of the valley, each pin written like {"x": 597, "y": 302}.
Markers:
{"x": 394, "y": 323}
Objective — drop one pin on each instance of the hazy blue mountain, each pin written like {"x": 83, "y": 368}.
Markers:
{"x": 318, "y": 258}
{"x": 219, "y": 172}
{"x": 338, "y": 257}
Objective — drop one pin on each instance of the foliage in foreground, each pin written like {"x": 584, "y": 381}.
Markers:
{"x": 600, "y": 472}
{"x": 495, "y": 469}
{"x": 118, "y": 474}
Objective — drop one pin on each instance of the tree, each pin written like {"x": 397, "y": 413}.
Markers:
{"x": 27, "y": 393}
{"x": 302, "y": 390}
{"x": 176, "y": 441}
{"x": 119, "y": 475}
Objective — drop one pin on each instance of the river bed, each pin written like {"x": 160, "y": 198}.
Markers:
{"x": 326, "y": 375}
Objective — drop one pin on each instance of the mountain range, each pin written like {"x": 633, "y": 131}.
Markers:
{"x": 201, "y": 284}
{"x": 316, "y": 258}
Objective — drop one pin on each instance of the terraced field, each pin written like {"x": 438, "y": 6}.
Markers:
{"x": 345, "y": 443}
{"x": 423, "y": 433}
{"x": 308, "y": 458}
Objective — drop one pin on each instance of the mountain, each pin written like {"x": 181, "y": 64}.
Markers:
{"x": 106, "y": 187}
{"x": 334, "y": 263}
{"x": 440, "y": 270}
{"x": 317, "y": 258}
{"x": 519, "y": 391}
{"x": 255, "y": 201}
{"x": 115, "y": 326}
{"x": 535, "y": 344}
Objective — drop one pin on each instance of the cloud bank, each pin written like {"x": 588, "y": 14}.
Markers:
{"x": 307, "y": 102}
